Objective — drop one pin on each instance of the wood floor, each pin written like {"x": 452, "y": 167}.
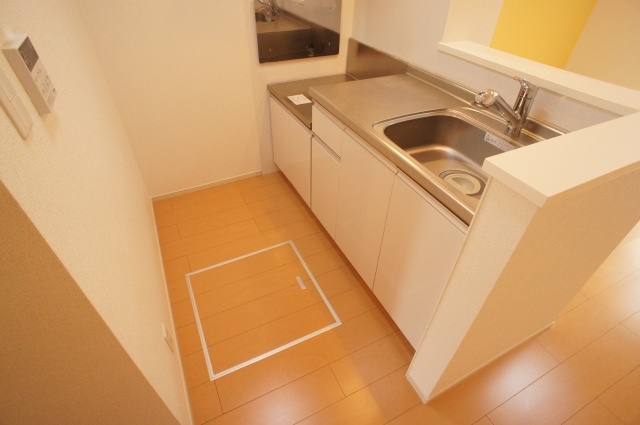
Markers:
{"x": 584, "y": 370}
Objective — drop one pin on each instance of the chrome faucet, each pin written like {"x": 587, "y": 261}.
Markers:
{"x": 272, "y": 5}
{"x": 517, "y": 116}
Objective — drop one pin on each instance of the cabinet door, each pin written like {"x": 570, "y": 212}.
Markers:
{"x": 279, "y": 136}
{"x": 363, "y": 199}
{"x": 325, "y": 175}
{"x": 299, "y": 169}
{"x": 291, "y": 148}
{"x": 420, "y": 246}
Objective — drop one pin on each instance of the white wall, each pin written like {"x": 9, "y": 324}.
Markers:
{"x": 180, "y": 73}
{"x": 611, "y": 35}
{"x": 409, "y": 30}
{"x": 78, "y": 181}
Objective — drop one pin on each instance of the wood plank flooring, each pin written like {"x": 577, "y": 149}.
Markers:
{"x": 584, "y": 370}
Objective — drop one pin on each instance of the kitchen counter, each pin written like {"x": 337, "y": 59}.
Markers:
{"x": 303, "y": 112}
{"x": 544, "y": 171}
{"x": 363, "y": 103}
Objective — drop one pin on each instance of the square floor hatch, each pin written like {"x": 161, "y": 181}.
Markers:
{"x": 256, "y": 305}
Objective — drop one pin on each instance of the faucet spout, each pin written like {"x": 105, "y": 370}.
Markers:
{"x": 516, "y": 117}
{"x": 491, "y": 99}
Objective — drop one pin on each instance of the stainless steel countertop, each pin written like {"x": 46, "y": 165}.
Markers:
{"x": 303, "y": 112}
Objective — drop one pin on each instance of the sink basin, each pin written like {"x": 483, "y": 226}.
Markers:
{"x": 443, "y": 150}
{"x": 449, "y": 146}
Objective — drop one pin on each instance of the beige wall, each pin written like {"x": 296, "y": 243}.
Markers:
{"x": 77, "y": 180}
{"x": 180, "y": 74}
{"x": 611, "y": 36}
{"x": 60, "y": 362}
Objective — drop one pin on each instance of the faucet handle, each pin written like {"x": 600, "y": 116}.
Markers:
{"x": 527, "y": 88}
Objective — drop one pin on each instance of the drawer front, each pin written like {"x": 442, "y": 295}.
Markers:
{"x": 328, "y": 128}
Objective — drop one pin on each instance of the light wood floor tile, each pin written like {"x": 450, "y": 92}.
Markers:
{"x": 215, "y": 192}
{"x": 582, "y": 325}
{"x": 314, "y": 244}
{"x": 243, "y": 212}
{"x": 188, "y": 339}
{"x": 288, "y": 404}
{"x": 168, "y": 234}
{"x": 371, "y": 363}
{"x": 205, "y": 404}
{"x": 353, "y": 303}
{"x": 594, "y": 413}
{"x": 623, "y": 399}
{"x": 259, "y": 312}
{"x": 182, "y": 313}
{"x": 214, "y": 221}
{"x": 485, "y": 390}
{"x": 272, "y": 335}
{"x": 633, "y": 323}
{"x": 248, "y": 289}
{"x": 338, "y": 281}
{"x": 176, "y": 269}
{"x": 325, "y": 261}
{"x": 576, "y": 382}
{"x": 484, "y": 421}
{"x": 274, "y": 204}
{"x": 259, "y": 194}
{"x": 178, "y": 215}
{"x": 376, "y": 404}
{"x": 244, "y": 245}
{"x": 225, "y": 274}
{"x": 202, "y": 241}
{"x": 622, "y": 262}
{"x": 195, "y": 369}
{"x": 200, "y": 196}
{"x": 253, "y": 381}
{"x": 280, "y": 218}
{"x": 178, "y": 290}
{"x": 162, "y": 206}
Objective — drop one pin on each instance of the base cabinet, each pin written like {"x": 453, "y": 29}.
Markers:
{"x": 291, "y": 148}
{"x": 363, "y": 199}
{"x": 325, "y": 178}
{"x": 420, "y": 246}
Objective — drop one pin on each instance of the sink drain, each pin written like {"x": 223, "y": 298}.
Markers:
{"x": 463, "y": 181}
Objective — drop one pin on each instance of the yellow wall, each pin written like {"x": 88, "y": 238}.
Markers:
{"x": 545, "y": 30}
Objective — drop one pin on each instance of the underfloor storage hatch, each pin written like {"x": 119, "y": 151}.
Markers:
{"x": 256, "y": 305}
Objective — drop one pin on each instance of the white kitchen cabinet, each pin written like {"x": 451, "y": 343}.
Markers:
{"x": 291, "y": 148}
{"x": 366, "y": 179}
{"x": 325, "y": 175}
{"x": 328, "y": 128}
{"x": 420, "y": 246}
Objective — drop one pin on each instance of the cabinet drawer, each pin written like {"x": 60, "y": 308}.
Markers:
{"x": 328, "y": 128}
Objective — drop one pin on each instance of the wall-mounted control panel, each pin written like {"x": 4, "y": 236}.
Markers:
{"x": 27, "y": 65}
{"x": 13, "y": 106}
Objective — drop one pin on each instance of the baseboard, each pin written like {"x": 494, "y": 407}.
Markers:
{"x": 205, "y": 186}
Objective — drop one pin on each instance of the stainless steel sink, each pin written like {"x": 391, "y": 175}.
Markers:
{"x": 444, "y": 150}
